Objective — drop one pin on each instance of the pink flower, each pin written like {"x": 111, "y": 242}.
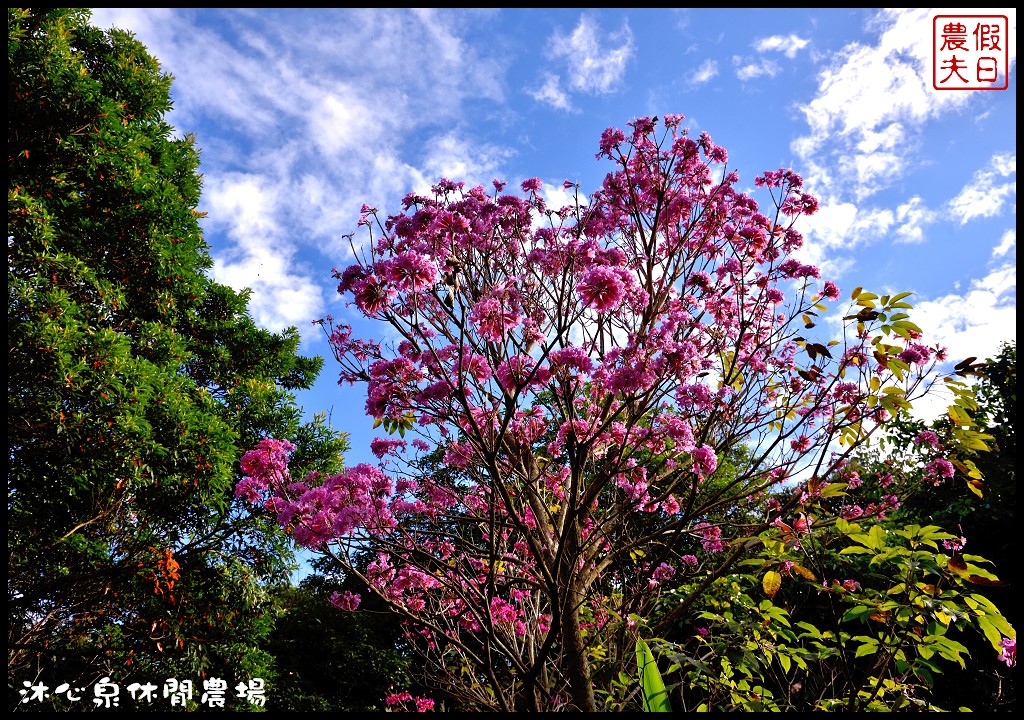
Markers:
{"x": 384, "y": 446}
{"x": 517, "y": 370}
{"x": 411, "y": 271}
{"x": 711, "y": 537}
{"x": 938, "y": 470}
{"x": 704, "y": 461}
{"x": 268, "y": 456}
{"x": 458, "y": 455}
{"x": 801, "y": 444}
{"x": 396, "y": 701}
{"x": 671, "y": 505}
{"x": 493, "y": 319}
{"x": 610, "y": 139}
{"x": 916, "y": 354}
{"x": 955, "y": 545}
{"x": 601, "y": 288}
{"x": 531, "y": 185}
{"x": 663, "y": 572}
{"x": 573, "y": 357}
{"x": 345, "y": 601}
{"x": 503, "y": 611}
{"x": 397, "y": 698}
{"x": 929, "y": 438}
{"x": 371, "y": 296}
{"x": 1009, "y": 651}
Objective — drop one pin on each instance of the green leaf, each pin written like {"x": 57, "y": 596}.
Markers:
{"x": 651, "y": 683}
{"x": 870, "y": 647}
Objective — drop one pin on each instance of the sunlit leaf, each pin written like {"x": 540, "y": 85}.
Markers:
{"x": 655, "y": 695}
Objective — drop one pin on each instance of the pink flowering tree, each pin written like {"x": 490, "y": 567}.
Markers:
{"x": 628, "y": 389}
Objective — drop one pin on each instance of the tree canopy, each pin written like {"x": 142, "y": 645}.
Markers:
{"x": 134, "y": 381}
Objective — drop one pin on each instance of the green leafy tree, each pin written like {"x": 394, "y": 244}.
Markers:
{"x": 882, "y": 611}
{"x": 786, "y": 632}
{"x": 134, "y": 383}
{"x": 979, "y": 511}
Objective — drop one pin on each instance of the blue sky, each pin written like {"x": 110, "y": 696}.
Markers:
{"x": 303, "y": 115}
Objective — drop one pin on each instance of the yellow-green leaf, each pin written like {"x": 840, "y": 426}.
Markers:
{"x": 804, "y": 572}
{"x": 771, "y": 582}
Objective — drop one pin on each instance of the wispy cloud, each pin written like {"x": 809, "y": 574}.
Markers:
{"x": 747, "y": 70}
{"x": 1006, "y": 243}
{"x": 707, "y": 70}
{"x": 305, "y": 116}
{"x": 590, "y": 62}
{"x": 246, "y": 209}
{"x": 788, "y": 45}
{"x": 750, "y": 69}
{"x": 550, "y": 92}
{"x": 911, "y": 219}
{"x": 987, "y": 191}
{"x": 596, "y": 65}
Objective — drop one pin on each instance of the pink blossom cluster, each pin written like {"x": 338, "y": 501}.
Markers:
{"x": 396, "y": 702}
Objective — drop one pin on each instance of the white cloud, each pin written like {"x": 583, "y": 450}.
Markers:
{"x": 789, "y": 45}
{"x": 750, "y": 70}
{"x": 975, "y": 323}
{"x": 456, "y": 158}
{"x": 985, "y": 195}
{"x": 865, "y": 128}
{"x": 595, "y": 65}
{"x": 888, "y": 138}
{"x": 868, "y": 99}
{"x": 911, "y": 217}
{"x": 707, "y": 70}
{"x": 339, "y": 120}
{"x": 1006, "y": 243}
{"x": 550, "y": 92}
{"x": 747, "y": 69}
{"x": 843, "y": 226}
{"x": 246, "y": 209}
{"x": 870, "y": 170}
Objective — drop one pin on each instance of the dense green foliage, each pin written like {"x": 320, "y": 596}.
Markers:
{"x": 985, "y": 518}
{"x": 134, "y": 383}
{"x": 867, "y": 616}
